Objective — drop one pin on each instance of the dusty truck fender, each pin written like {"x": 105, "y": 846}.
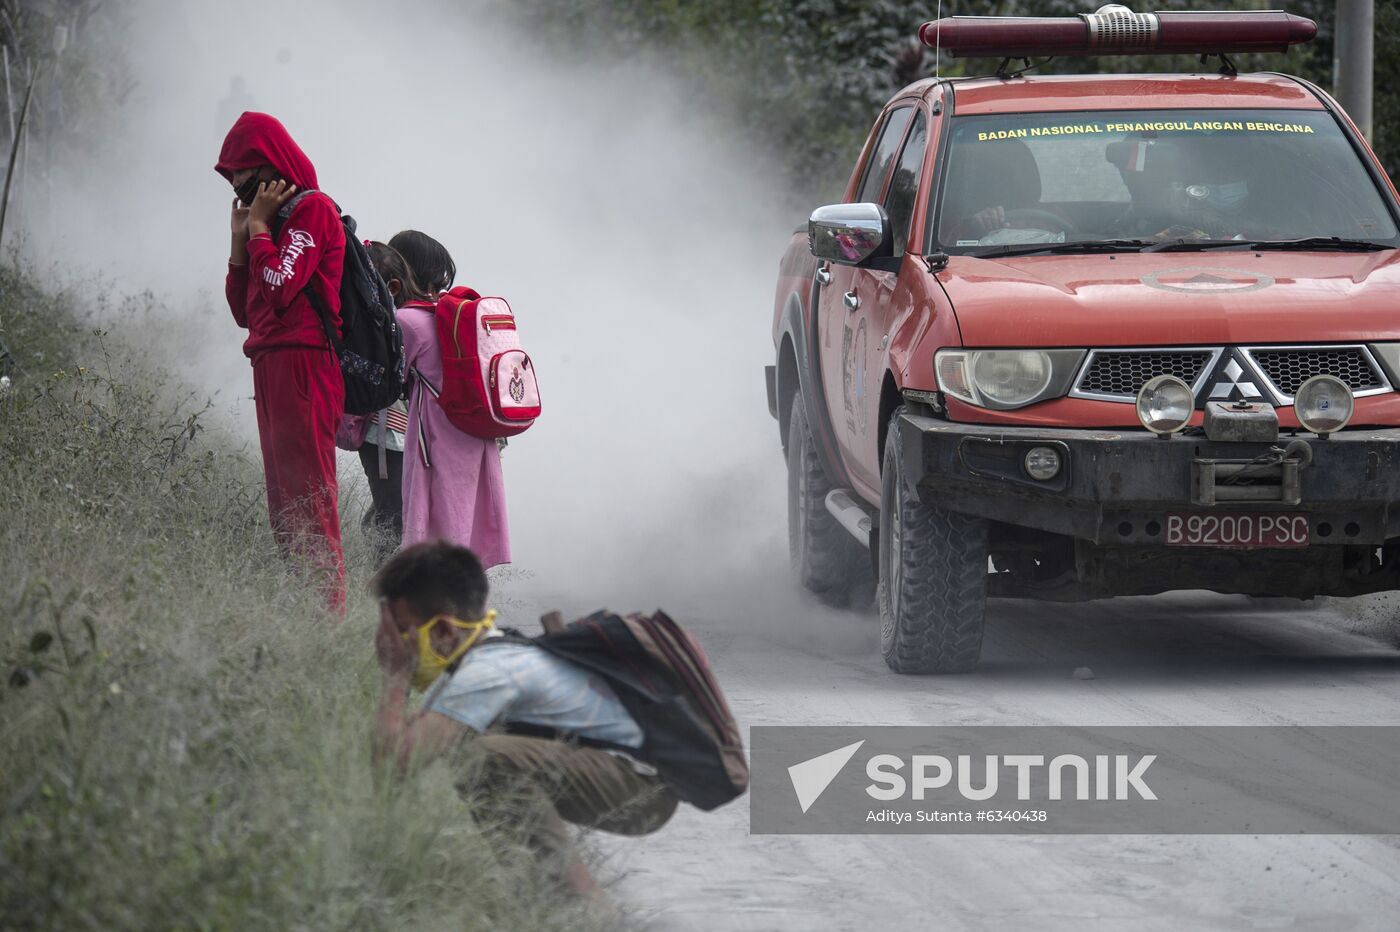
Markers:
{"x": 798, "y": 365}
{"x": 923, "y": 322}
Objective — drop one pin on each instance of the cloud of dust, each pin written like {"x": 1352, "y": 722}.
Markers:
{"x": 637, "y": 244}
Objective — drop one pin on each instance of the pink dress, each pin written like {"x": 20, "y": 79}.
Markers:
{"x": 452, "y": 483}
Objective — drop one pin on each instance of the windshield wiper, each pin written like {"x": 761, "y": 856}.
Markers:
{"x": 1093, "y": 245}
{"x": 1335, "y": 243}
{"x": 1196, "y": 245}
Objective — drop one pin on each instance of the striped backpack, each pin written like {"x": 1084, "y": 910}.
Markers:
{"x": 663, "y": 679}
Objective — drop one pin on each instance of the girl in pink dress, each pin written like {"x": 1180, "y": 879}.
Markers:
{"x": 452, "y": 484}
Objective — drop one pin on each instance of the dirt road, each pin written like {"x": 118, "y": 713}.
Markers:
{"x": 1186, "y": 658}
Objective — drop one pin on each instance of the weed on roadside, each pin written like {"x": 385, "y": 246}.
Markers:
{"x": 183, "y": 732}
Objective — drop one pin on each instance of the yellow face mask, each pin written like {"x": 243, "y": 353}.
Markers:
{"x": 430, "y": 662}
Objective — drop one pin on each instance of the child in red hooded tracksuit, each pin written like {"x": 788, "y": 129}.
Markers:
{"x": 297, "y": 384}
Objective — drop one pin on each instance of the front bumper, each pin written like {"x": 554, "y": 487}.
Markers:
{"x": 1117, "y": 486}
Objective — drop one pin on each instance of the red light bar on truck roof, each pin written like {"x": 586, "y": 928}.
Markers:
{"x": 1117, "y": 30}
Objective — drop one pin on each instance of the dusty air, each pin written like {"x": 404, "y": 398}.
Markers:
{"x": 614, "y": 465}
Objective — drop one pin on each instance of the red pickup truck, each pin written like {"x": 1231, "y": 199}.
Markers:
{"x": 1074, "y": 337}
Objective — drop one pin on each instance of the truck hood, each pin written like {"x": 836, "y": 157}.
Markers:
{"x": 1158, "y": 299}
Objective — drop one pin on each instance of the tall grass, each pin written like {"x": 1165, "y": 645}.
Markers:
{"x": 183, "y": 734}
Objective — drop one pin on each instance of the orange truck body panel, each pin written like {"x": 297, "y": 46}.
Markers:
{"x": 1097, "y": 300}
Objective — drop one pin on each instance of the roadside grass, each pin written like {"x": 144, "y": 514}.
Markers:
{"x": 184, "y": 737}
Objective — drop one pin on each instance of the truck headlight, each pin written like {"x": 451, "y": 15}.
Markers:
{"x": 1164, "y": 404}
{"x": 1003, "y": 379}
{"x": 1010, "y": 378}
{"x": 1324, "y": 404}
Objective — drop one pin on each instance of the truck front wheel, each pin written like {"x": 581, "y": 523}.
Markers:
{"x": 827, "y": 560}
{"x": 933, "y": 577}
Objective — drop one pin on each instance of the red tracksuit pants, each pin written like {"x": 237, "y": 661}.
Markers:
{"x": 300, "y": 397}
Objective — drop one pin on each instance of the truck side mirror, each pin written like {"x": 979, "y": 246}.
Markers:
{"x": 850, "y": 234}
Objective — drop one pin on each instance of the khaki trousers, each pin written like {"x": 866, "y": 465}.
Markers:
{"x": 511, "y": 775}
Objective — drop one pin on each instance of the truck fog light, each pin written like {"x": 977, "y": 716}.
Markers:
{"x": 1164, "y": 404}
{"x": 1323, "y": 404}
{"x": 1042, "y": 463}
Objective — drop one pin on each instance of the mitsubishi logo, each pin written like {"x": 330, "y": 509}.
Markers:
{"x": 1232, "y": 381}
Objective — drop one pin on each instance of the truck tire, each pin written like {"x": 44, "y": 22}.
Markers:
{"x": 826, "y": 559}
{"x": 933, "y": 577}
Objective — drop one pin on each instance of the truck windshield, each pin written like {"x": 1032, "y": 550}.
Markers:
{"x": 1131, "y": 179}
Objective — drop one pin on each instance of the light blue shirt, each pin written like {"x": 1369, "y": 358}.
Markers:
{"x": 506, "y": 681}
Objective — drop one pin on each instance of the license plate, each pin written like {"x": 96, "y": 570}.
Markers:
{"x": 1237, "y": 530}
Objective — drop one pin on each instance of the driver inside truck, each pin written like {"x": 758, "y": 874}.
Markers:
{"x": 998, "y": 190}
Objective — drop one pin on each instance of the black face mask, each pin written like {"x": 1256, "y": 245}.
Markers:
{"x": 248, "y": 190}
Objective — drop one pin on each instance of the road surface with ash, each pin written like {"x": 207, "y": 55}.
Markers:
{"x": 1178, "y": 659}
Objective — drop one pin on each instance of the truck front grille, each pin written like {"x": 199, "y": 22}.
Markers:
{"x": 1123, "y": 372}
{"x": 1118, "y": 374}
{"x": 1289, "y": 368}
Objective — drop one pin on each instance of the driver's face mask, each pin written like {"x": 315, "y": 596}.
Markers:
{"x": 1225, "y": 198}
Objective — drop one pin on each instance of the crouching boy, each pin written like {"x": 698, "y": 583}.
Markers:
{"x": 582, "y": 753}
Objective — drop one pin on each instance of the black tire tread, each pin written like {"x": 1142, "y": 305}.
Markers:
{"x": 944, "y": 585}
{"x": 829, "y": 563}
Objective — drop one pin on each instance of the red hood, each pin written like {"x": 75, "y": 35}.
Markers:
{"x": 1162, "y": 299}
{"x": 259, "y": 139}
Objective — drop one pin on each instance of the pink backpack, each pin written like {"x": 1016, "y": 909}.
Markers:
{"x": 488, "y": 382}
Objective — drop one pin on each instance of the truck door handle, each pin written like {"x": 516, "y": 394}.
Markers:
{"x": 823, "y": 275}
{"x": 852, "y": 300}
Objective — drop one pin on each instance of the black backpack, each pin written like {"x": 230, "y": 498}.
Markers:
{"x": 370, "y": 348}
{"x": 661, "y": 676}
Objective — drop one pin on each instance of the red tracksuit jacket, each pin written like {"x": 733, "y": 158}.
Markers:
{"x": 266, "y": 294}
{"x": 297, "y": 386}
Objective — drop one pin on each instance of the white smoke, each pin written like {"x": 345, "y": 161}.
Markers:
{"x": 637, "y": 242}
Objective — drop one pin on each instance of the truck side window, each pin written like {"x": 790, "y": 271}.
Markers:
{"x": 904, "y": 188}
{"x": 878, "y": 168}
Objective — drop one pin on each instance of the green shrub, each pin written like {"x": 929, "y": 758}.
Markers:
{"x": 184, "y": 734}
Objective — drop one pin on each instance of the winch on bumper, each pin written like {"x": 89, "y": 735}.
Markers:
{"x": 1117, "y": 493}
